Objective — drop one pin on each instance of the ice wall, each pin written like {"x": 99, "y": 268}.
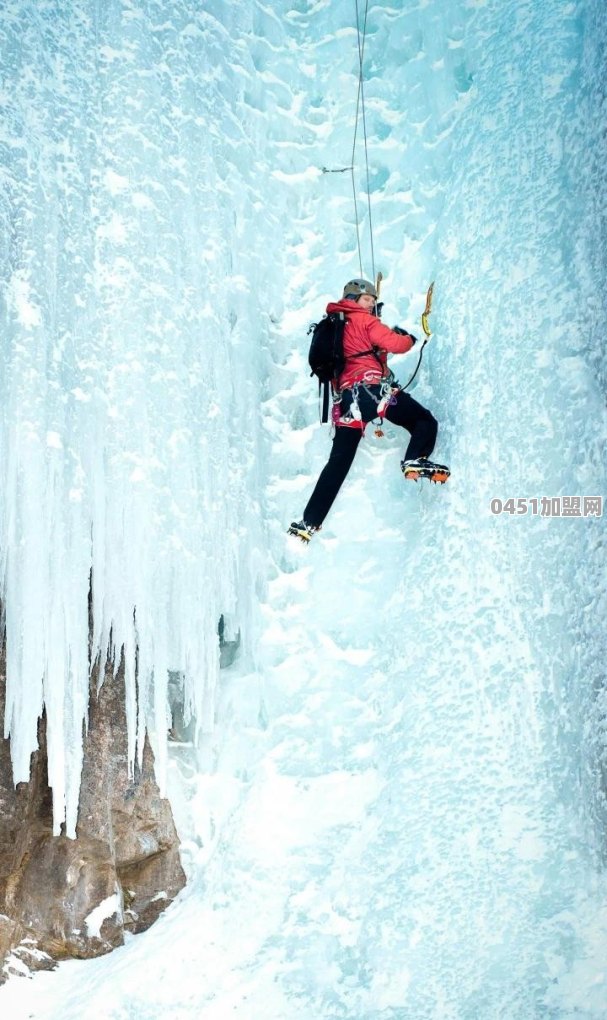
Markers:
{"x": 478, "y": 891}
{"x": 415, "y": 828}
{"x": 136, "y": 305}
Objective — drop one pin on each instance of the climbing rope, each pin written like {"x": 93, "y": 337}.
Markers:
{"x": 361, "y": 114}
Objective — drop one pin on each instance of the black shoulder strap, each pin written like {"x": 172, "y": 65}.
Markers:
{"x": 325, "y": 387}
{"x": 326, "y": 393}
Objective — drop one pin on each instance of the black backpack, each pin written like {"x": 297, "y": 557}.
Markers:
{"x": 326, "y": 357}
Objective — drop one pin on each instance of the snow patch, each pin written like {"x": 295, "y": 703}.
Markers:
{"x": 108, "y": 908}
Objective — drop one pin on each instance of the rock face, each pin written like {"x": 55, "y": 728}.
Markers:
{"x": 63, "y": 898}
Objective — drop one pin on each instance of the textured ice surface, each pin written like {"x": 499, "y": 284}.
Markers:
{"x": 401, "y": 813}
{"x": 135, "y": 316}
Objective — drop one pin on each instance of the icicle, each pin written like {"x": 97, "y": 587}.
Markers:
{"x": 131, "y": 371}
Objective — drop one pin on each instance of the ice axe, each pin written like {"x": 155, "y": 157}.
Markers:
{"x": 426, "y": 313}
{"x": 426, "y": 329}
{"x": 378, "y": 304}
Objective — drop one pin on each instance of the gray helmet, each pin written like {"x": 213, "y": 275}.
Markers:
{"x": 355, "y": 288}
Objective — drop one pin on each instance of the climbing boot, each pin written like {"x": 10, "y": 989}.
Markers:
{"x": 421, "y": 467}
{"x": 302, "y": 530}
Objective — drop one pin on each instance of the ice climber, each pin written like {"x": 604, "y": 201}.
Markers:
{"x": 364, "y": 391}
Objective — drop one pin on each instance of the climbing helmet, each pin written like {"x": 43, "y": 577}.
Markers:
{"x": 355, "y": 288}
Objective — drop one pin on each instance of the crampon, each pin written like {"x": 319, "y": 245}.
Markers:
{"x": 301, "y": 530}
{"x": 421, "y": 467}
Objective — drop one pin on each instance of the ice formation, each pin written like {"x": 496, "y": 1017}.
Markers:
{"x": 136, "y": 312}
{"x": 408, "y": 822}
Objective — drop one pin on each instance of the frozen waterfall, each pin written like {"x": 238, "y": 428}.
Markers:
{"x": 400, "y": 811}
{"x": 137, "y": 316}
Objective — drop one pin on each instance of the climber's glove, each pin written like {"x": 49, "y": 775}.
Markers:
{"x": 404, "y": 332}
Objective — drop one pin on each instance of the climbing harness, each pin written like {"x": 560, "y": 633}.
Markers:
{"x": 380, "y": 394}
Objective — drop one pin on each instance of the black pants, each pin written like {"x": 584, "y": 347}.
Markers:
{"x": 406, "y": 412}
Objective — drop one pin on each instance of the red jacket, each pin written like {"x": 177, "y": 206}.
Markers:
{"x": 363, "y": 331}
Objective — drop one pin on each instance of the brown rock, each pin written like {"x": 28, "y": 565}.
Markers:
{"x": 64, "y": 898}
{"x": 54, "y": 891}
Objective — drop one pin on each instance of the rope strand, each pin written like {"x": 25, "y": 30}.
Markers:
{"x": 360, "y": 110}
{"x": 352, "y": 160}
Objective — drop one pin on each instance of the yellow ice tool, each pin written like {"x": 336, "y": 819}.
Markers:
{"x": 426, "y": 312}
